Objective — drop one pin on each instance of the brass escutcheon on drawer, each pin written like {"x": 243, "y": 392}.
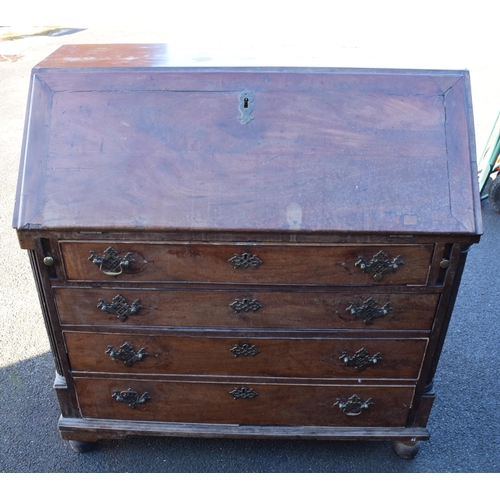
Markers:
{"x": 245, "y": 305}
{"x": 245, "y": 260}
{"x": 244, "y": 349}
{"x": 243, "y": 393}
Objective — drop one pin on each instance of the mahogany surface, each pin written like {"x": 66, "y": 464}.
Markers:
{"x": 212, "y": 308}
{"x": 335, "y": 205}
{"x": 275, "y": 404}
{"x": 276, "y": 357}
{"x": 345, "y": 148}
{"x": 281, "y": 264}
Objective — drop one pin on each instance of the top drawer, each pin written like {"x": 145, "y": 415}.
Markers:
{"x": 247, "y": 263}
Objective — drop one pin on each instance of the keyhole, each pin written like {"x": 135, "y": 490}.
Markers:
{"x": 245, "y": 106}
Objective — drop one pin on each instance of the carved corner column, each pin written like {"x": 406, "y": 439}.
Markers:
{"x": 65, "y": 394}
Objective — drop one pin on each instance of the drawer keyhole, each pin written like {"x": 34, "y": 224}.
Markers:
{"x": 246, "y": 107}
{"x": 245, "y": 305}
{"x": 245, "y": 260}
{"x": 245, "y": 349}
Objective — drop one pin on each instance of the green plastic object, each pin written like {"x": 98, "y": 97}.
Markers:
{"x": 489, "y": 157}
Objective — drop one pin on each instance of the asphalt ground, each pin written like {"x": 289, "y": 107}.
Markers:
{"x": 465, "y": 420}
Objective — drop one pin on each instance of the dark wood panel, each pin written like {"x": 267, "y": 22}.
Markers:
{"x": 459, "y": 110}
{"x": 107, "y": 55}
{"x": 279, "y": 357}
{"x": 172, "y": 153}
{"x": 92, "y": 429}
{"x": 288, "y": 121}
{"x": 30, "y": 194}
{"x": 274, "y": 404}
{"x": 212, "y": 308}
{"x": 210, "y": 263}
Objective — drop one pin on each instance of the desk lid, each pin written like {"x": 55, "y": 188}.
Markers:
{"x": 116, "y": 139}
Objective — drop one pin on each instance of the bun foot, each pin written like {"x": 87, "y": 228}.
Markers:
{"x": 407, "y": 449}
{"x": 81, "y": 446}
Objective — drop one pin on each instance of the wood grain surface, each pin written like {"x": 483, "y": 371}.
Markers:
{"x": 326, "y": 150}
{"x": 292, "y": 264}
{"x": 212, "y": 308}
{"x": 272, "y": 357}
{"x": 275, "y": 404}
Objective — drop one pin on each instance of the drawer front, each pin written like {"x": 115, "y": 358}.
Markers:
{"x": 230, "y": 309}
{"x": 244, "y": 404}
{"x": 279, "y": 357}
{"x": 281, "y": 264}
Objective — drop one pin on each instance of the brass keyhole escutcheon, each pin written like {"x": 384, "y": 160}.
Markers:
{"x": 245, "y": 260}
{"x": 246, "y": 106}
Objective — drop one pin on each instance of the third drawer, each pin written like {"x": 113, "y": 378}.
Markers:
{"x": 262, "y": 356}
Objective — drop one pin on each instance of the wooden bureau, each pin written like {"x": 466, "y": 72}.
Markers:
{"x": 245, "y": 252}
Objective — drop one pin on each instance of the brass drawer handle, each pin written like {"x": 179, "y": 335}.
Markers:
{"x": 245, "y": 305}
{"x": 245, "y": 260}
{"x": 361, "y": 359}
{"x": 130, "y": 398}
{"x": 126, "y": 353}
{"x": 354, "y": 405}
{"x": 243, "y": 393}
{"x": 379, "y": 265}
{"x": 244, "y": 349}
{"x": 110, "y": 262}
{"x": 120, "y": 307}
{"x": 369, "y": 311}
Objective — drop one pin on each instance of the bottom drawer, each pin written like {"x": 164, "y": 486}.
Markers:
{"x": 246, "y": 404}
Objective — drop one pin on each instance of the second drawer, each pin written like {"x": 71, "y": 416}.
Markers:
{"x": 233, "y": 309}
